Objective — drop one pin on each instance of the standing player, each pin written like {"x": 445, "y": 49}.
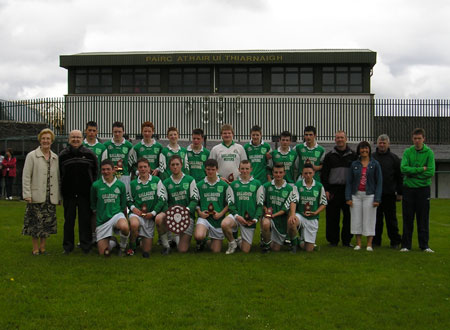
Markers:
{"x": 256, "y": 151}
{"x": 197, "y": 155}
{"x": 148, "y": 148}
{"x": 310, "y": 152}
{"x": 212, "y": 207}
{"x": 286, "y": 156}
{"x": 279, "y": 203}
{"x": 311, "y": 201}
{"x": 245, "y": 200}
{"x": 117, "y": 150}
{"x": 91, "y": 142}
{"x": 178, "y": 189}
{"x": 172, "y": 149}
{"x": 108, "y": 202}
{"x": 228, "y": 154}
{"x": 144, "y": 205}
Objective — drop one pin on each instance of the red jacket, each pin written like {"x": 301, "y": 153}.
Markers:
{"x": 11, "y": 164}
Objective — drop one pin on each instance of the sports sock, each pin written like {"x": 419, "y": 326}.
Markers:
{"x": 123, "y": 241}
{"x": 164, "y": 240}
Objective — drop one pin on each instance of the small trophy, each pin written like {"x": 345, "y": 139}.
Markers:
{"x": 230, "y": 178}
{"x": 144, "y": 210}
{"x": 307, "y": 209}
{"x": 120, "y": 165}
{"x": 308, "y": 161}
{"x": 269, "y": 213}
{"x": 211, "y": 209}
{"x": 247, "y": 216}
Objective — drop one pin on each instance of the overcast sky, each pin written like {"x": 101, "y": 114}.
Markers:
{"x": 411, "y": 37}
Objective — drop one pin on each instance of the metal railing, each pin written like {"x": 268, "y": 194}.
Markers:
{"x": 362, "y": 118}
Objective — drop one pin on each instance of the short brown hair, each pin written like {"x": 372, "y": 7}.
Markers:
{"x": 419, "y": 131}
{"x": 147, "y": 124}
{"x": 171, "y": 129}
{"x": 226, "y": 127}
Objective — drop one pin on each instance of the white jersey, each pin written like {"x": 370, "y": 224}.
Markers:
{"x": 228, "y": 158}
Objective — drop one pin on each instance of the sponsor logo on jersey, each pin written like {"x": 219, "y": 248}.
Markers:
{"x": 110, "y": 147}
{"x": 263, "y": 150}
{"x": 125, "y": 150}
{"x": 270, "y": 189}
{"x": 156, "y": 150}
{"x": 220, "y": 189}
{"x": 291, "y": 157}
{"x": 117, "y": 190}
{"x": 98, "y": 151}
{"x": 252, "y": 188}
{"x": 284, "y": 194}
{"x": 170, "y": 186}
{"x": 303, "y": 150}
{"x": 316, "y": 193}
{"x": 236, "y": 185}
{"x": 277, "y": 156}
{"x": 185, "y": 185}
{"x": 203, "y": 157}
{"x": 153, "y": 186}
{"x": 141, "y": 149}
{"x": 250, "y": 149}
{"x": 190, "y": 154}
{"x": 302, "y": 189}
{"x": 138, "y": 187}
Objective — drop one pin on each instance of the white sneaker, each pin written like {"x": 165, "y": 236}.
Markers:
{"x": 357, "y": 248}
{"x": 369, "y": 248}
{"x": 404, "y": 250}
{"x": 428, "y": 250}
{"x": 231, "y": 247}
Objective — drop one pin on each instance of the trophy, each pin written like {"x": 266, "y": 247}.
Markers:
{"x": 308, "y": 161}
{"x": 120, "y": 165}
{"x": 247, "y": 216}
{"x": 144, "y": 210}
{"x": 307, "y": 209}
{"x": 269, "y": 213}
{"x": 230, "y": 178}
{"x": 211, "y": 209}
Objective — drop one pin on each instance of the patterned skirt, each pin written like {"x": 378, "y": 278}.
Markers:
{"x": 39, "y": 220}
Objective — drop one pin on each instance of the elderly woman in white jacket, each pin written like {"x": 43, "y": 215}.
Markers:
{"x": 40, "y": 186}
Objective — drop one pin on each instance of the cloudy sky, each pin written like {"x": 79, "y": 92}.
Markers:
{"x": 411, "y": 37}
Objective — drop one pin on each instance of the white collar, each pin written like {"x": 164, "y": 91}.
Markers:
{"x": 195, "y": 152}
{"x": 174, "y": 150}
{"x": 145, "y": 182}
{"x": 312, "y": 185}
{"x": 148, "y": 145}
{"x": 109, "y": 184}
{"x": 306, "y": 146}
{"x": 211, "y": 184}
{"x": 91, "y": 145}
{"x": 281, "y": 152}
{"x": 282, "y": 186}
{"x": 245, "y": 182}
{"x": 177, "y": 182}
{"x": 118, "y": 144}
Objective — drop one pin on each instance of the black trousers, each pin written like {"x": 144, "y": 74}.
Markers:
{"x": 8, "y": 185}
{"x": 387, "y": 209}
{"x": 84, "y": 223}
{"x": 416, "y": 202}
{"x": 333, "y": 216}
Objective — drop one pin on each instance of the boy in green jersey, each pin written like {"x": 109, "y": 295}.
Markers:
{"x": 256, "y": 151}
{"x": 108, "y": 202}
{"x": 286, "y": 156}
{"x": 147, "y": 148}
{"x": 310, "y": 152}
{"x": 117, "y": 150}
{"x": 311, "y": 201}
{"x": 144, "y": 205}
{"x": 279, "y": 204}
{"x": 245, "y": 201}
{"x": 172, "y": 149}
{"x": 197, "y": 155}
{"x": 212, "y": 207}
{"x": 97, "y": 148}
{"x": 178, "y": 189}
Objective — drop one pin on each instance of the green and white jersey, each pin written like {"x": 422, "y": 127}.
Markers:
{"x": 150, "y": 152}
{"x": 183, "y": 192}
{"x": 118, "y": 152}
{"x": 97, "y": 148}
{"x": 289, "y": 160}
{"x": 257, "y": 157}
{"x": 314, "y": 155}
{"x": 228, "y": 158}
{"x": 279, "y": 198}
{"x": 196, "y": 161}
{"x": 246, "y": 196}
{"x": 108, "y": 199}
{"x": 314, "y": 195}
{"x": 145, "y": 193}
{"x": 215, "y": 194}
{"x": 164, "y": 158}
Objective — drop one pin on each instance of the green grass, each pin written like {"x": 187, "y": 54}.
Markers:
{"x": 336, "y": 288}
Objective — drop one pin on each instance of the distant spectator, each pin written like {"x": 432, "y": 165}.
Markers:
{"x": 1, "y": 175}
{"x": 9, "y": 171}
{"x": 40, "y": 186}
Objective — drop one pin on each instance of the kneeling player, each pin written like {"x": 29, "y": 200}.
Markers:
{"x": 245, "y": 201}
{"x": 312, "y": 201}
{"x": 108, "y": 202}
{"x": 178, "y": 189}
{"x": 279, "y": 202}
{"x": 144, "y": 205}
{"x": 212, "y": 207}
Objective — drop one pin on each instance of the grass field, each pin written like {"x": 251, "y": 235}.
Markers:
{"x": 335, "y": 288}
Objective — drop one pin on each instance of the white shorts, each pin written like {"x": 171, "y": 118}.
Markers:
{"x": 146, "y": 227}
{"x": 308, "y": 228}
{"x": 247, "y": 233}
{"x": 126, "y": 179}
{"x": 108, "y": 229}
{"x": 275, "y": 235}
{"x": 214, "y": 233}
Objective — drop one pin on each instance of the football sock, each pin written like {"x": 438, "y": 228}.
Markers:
{"x": 164, "y": 240}
{"x": 123, "y": 241}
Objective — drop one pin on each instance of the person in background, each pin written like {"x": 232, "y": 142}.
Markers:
{"x": 363, "y": 194}
{"x": 257, "y": 151}
{"x": 197, "y": 155}
{"x": 9, "y": 172}
{"x": 1, "y": 173}
{"x": 40, "y": 187}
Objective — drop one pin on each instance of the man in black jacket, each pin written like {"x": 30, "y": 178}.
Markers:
{"x": 392, "y": 192}
{"x": 78, "y": 169}
{"x": 333, "y": 176}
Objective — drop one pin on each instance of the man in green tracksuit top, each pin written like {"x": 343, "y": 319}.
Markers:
{"x": 212, "y": 206}
{"x": 286, "y": 156}
{"x": 310, "y": 152}
{"x": 108, "y": 202}
{"x": 91, "y": 142}
{"x": 172, "y": 149}
{"x": 279, "y": 206}
{"x": 257, "y": 151}
{"x": 246, "y": 199}
{"x": 197, "y": 155}
{"x": 144, "y": 204}
{"x": 418, "y": 168}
